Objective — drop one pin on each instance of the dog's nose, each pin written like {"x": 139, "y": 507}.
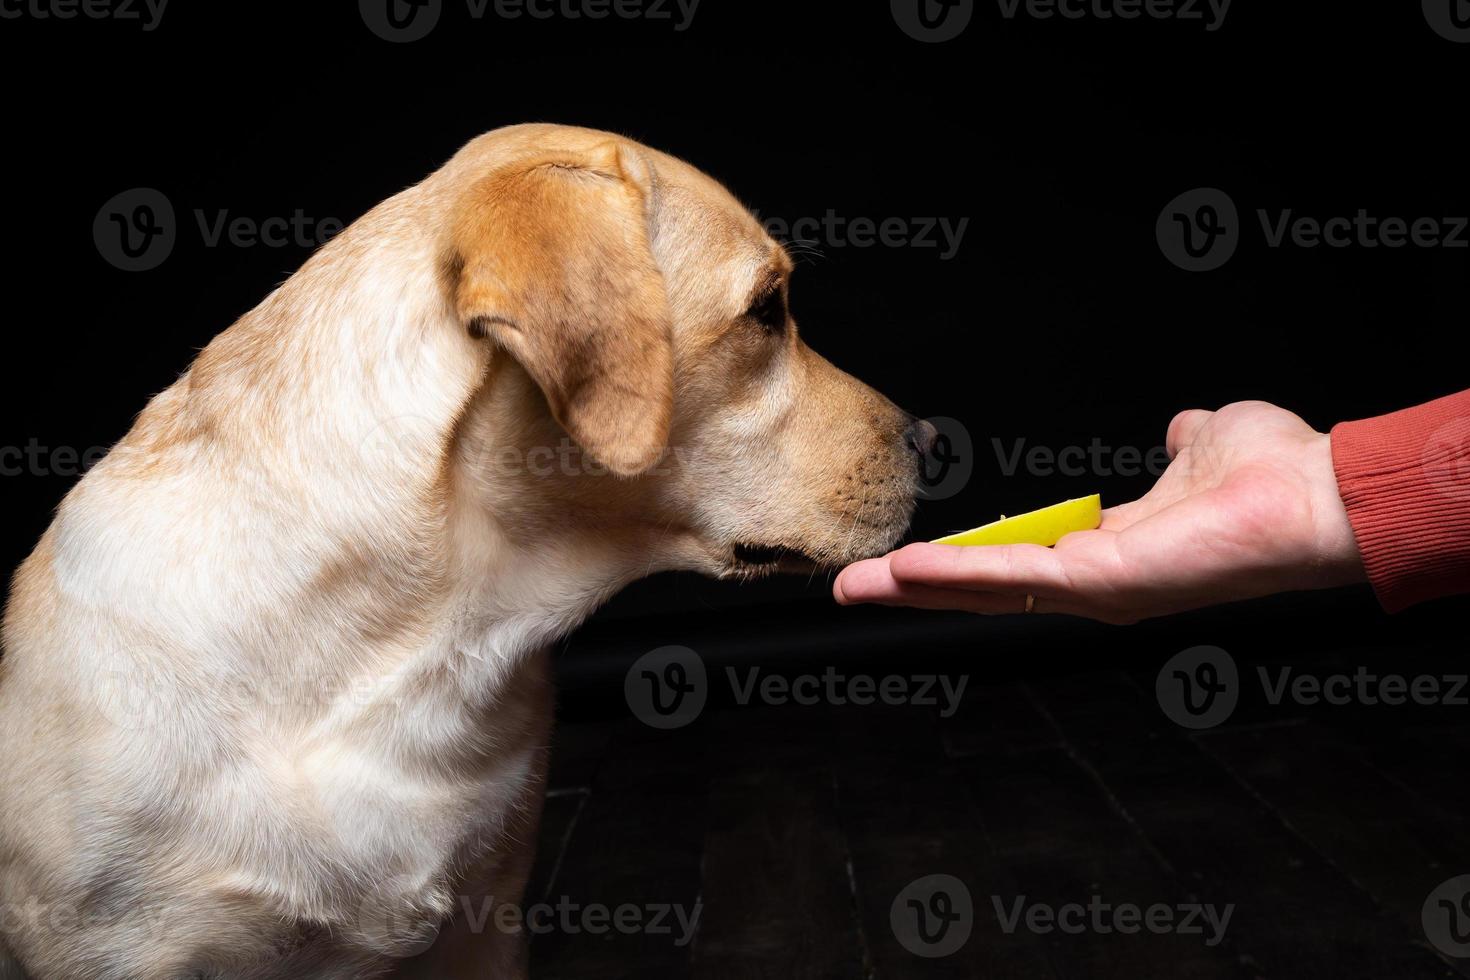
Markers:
{"x": 921, "y": 434}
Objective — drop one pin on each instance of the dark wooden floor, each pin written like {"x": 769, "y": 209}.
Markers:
{"x": 793, "y": 830}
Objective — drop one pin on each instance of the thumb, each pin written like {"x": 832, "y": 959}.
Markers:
{"x": 1185, "y": 429}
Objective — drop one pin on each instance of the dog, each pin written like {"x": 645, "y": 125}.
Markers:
{"x": 274, "y": 696}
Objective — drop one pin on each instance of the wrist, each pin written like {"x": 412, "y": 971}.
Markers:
{"x": 1336, "y": 556}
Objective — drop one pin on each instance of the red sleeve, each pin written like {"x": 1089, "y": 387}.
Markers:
{"x": 1405, "y": 479}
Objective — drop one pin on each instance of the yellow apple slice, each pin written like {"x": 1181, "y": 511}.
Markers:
{"x": 1046, "y": 526}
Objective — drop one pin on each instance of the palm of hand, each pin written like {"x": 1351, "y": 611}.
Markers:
{"x": 1236, "y": 514}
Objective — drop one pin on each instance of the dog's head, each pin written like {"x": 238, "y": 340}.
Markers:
{"x": 657, "y": 395}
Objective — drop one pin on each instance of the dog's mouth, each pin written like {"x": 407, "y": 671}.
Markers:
{"x": 754, "y": 559}
{"x": 774, "y": 558}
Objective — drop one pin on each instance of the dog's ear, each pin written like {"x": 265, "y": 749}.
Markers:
{"x": 555, "y": 265}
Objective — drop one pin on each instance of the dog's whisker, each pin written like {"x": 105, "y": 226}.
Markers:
{"x": 852, "y": 527}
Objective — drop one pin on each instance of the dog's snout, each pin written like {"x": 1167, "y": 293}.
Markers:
{"x": 921, "y": 435}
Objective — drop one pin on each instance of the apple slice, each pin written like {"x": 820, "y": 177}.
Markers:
{"x": 1046, "y": 526}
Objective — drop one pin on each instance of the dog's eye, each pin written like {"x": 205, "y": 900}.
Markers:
{"x": 770, "y": 310}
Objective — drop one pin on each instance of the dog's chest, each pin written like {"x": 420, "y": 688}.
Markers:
{"x": 432, "y": 792}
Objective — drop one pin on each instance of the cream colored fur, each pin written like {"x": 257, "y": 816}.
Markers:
{"x": 276, "y": 674}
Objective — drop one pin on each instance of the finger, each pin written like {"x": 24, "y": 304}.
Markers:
{"x": 983, "y": 603}
{"x": 1119, "y": 516}
{"x": 953, "y": 600}
{"x": 872, "y": 581}
{"x": 863, "y": 581}
{"x": 1083, "y": 610}
{"x": 1007, "y": 569}
{"x": 1185, "y": 429}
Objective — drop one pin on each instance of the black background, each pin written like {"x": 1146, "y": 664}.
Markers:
{"x": 1059, "y": 320}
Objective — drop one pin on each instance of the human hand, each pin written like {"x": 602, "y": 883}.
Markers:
{"x": 1248, "y": 507}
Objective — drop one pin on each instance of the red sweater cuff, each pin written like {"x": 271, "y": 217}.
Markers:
{"x": 1405, "y": 479}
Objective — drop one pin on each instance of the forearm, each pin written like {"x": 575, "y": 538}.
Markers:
{"x": 1404, "y": 479}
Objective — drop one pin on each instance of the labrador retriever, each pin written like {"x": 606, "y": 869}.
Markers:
{"x": 274, "y": 697}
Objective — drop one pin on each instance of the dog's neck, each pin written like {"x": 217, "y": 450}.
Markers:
{"x": 323, "y": 428}
{"x": 409, "y": 381}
